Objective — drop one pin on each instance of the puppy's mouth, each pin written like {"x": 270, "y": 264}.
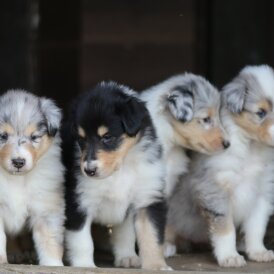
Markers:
{"x": 18, "y": 171}
{"x": 209, "y": 151}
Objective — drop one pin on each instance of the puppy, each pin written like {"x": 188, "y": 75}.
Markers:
{"x": 114, "y": 175}
{"x": 185, "y": 111}
{"x": 234, "y": 189}
{"x": 31, "y": 174}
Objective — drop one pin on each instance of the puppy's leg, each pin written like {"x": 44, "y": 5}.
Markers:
{"x": 150, "y": 223}
{"x": 48, "y": 239}
{"x": 170, "y": 242}
{"x": 223, "y": 238}
{"x": 123, "y": 240}
{"x": 80, "y": 246}
{"x": 254, "y": 228}
{"x": 3, "y": 244}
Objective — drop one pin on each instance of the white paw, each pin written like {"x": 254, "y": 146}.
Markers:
{"x": 263, "y": 256}
{"x": 50, "y": 262}
{"x": 3, "y": 259}
{"x": 166, "y": 267}
{"x": 233, "y": 261}
{"x": 169, "y": 250}
{"x": 133, "y": 261}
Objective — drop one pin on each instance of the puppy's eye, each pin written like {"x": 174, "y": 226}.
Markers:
{"x": 206, "y": 120}
{"x": 108, "y": 139}
{"x": 4, "y": 136}
{"x": 35, "y": 138}
{"x": 261, "y": 113}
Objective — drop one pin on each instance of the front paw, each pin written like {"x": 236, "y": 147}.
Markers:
{"x": 169, "y": 250}
{"x": 232, "y": 261}
{"x": 166, "y": 267}
{"x": 261, "y": 256}
{"x": 127, "y": 262}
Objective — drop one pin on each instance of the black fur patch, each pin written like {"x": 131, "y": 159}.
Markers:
{"x": 157, "y": 214}
{"x": 75, "y": 218}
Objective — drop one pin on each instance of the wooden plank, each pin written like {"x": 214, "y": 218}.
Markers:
{"x": 139, "y": 66}
{"x": 131, "y": 27}
{"x": 185, "y": 264}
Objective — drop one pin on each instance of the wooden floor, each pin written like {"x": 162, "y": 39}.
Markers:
{"x": 199, "y": 260}
{"x": 189, "y": 263}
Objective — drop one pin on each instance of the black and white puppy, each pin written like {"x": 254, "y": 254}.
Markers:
{"x": 114, "y": 177}
{"x": 31, "y": 174}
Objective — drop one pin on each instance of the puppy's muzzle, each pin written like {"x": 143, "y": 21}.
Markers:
{"x": 18, "y": 162}
{"x": 90, "y": 171}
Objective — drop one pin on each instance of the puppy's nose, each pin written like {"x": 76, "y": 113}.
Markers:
{"x": 90, "y": 171}
{"x": 226, "y": 144}
{"x": 18, "y": 162}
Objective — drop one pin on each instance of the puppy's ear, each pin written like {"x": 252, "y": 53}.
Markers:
{"x": 52, "y": 115}
{"x": 132, "y": 114}
{"x": 233, "y": 95}
{"x": 180, "y": 104}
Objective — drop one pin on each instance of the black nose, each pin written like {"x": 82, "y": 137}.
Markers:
{"x": 18, "y": 162}
{"x": 90, "y": 171}
{"x": 226, "y": 144}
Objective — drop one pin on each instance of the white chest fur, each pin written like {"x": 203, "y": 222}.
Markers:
{"x": 14, "y": 203}
{"x": 39, "y": 193}
{"x": 247, "y": 178}
{"x": 136, "y": 184}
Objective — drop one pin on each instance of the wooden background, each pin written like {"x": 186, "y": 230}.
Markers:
{"x": 60, "y": 48}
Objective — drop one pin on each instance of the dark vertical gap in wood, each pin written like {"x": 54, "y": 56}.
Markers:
{"x": 202, "y": 29}
{"x": 58, "y": 49}
{"x": 15, "y": 53}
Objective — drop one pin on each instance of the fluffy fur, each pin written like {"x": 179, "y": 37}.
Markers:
{"x": 234, "y": 189}
{"x": 31, "y": 174}
{"x": 185, "y": 112}
{"x": 114, "y": 177}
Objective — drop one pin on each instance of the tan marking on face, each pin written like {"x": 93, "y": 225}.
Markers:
{"x": 82, "y": 160}
{"x": 193, "y": 136}
{"x": 265, "y": 104}
{"x": 151, "y": 252}
{"x": 211, "y": 112}
{"x": 5, "y": 154}
{"x": 257, "y": 131}
{"x": 38, "y": 152}
{"x": 102, "y": 130}
{"x": 111, "y": 160}
{"x": 30, "y": 129}
{"x": 47, "y": 240}
{"x": 45, "y": 144}
{"x": 7, "y": 128}
{"x": 81, "y": 132}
